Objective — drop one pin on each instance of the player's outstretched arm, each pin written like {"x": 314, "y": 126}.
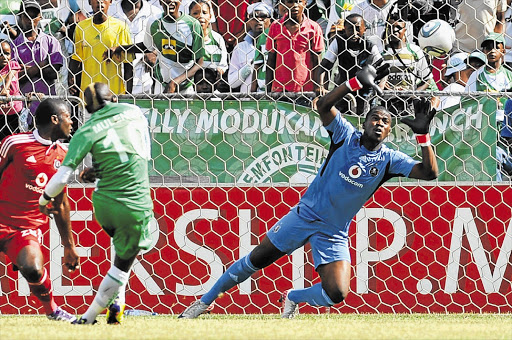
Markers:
{"x": 60, "y": 211}
{"x": 368, "y": 76}
{"x": 424, "y": 112}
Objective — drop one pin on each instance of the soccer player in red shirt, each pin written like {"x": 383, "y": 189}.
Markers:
{"x": 27, "y": 161}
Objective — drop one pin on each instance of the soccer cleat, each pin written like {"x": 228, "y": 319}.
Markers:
{"x": 61, "y": 315}
{"x": 290, "y": 308}
{"x": 83, "y": 321}
{"x": 195, "y": 309}
{"x": 115, "y": 313}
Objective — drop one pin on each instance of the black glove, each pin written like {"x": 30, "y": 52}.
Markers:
{"x": 88, "y": 175}
{"x": 370, "y": 74}
{"x": 423, "y": 114}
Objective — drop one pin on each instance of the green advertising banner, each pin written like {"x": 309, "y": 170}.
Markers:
{"x": 254, "y": 142}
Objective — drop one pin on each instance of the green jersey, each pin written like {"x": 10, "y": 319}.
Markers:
{"x": 260, "y": 58}
{"x": 179, "y": 45}
{"x": 215, "y": 52}
{"x": 118, "y": 139}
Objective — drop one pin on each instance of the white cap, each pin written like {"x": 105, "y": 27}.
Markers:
{"x": 259, "y": 6}
{"x": 456, "y": 63}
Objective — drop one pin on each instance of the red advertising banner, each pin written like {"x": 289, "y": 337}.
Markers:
{"x": 413, "y": 249}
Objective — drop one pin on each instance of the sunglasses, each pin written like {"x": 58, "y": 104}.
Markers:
{"x": 259, "y": 16}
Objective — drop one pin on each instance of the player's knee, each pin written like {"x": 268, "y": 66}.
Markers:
{"x": 336, "y": 294}
{"x": 32, "y": 273}
{"x": 264, "y": 254}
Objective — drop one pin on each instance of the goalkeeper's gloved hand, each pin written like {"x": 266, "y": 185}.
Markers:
{"x": 368, "y": 76}
{"x": 424, "y": 112}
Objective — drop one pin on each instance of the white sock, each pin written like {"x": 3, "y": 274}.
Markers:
{"x": 112, "y": 284}
{"x": 122, "y": 295}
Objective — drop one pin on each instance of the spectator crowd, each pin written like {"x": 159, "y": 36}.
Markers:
{"x": 59, "y": 47}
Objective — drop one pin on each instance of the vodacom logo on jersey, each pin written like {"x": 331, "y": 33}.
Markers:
{"x": 355, "y": 171}
{"x": 41, "y": 181}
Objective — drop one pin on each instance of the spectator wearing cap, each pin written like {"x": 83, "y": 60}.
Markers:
{"x": 242, "y": 64}
{"x": 39, "y": 54}
{"x": 459, "y": 69}
{"x": 494, "y": 76}
{"x": 294, "y": 45}
{"x": 375, "y": 14}
{"x": 456, "y": 75}
{"x": 476, "y": 60}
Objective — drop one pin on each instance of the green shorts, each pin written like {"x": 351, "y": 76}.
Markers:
{"x": 128, "y": 228}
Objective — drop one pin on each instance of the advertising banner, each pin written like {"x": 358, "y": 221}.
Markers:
{"x": 256, "y": 142}
{"x": 414, "y": 249}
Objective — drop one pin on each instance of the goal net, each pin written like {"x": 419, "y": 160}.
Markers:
{"x": 227, "y": 165}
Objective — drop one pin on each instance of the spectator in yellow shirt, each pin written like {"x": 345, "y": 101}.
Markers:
{"x": 93, "y": 37}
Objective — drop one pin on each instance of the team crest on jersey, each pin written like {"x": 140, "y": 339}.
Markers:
{"x": 374, "y": 171}
{"x": 355, "y": 171}
{"x": 169, "y": 46}
{"x": 57, "y": 163}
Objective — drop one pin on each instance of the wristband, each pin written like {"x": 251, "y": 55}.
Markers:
{"x": 354, "y": 84}
{"x": 44, "y": 199}
{"x": 423, "y": 140}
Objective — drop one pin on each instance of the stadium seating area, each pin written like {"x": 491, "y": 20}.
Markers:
{"x": 52, "y": 51}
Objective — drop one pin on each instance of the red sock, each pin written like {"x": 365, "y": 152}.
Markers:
{"x": 43, "y": 291}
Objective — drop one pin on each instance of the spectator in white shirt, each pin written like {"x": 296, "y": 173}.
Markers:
{"x": 241, "y": 67}
{"x": 458, "y": 70}
{"x": 137, "y": 14}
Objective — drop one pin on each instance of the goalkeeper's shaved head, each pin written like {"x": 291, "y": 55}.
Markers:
{"x": 96, "y": 96}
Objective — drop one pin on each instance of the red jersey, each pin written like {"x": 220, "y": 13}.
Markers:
{"x": 27, "y": 162}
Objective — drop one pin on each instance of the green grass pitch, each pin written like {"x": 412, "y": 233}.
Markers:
{"x": 327, "y": 326}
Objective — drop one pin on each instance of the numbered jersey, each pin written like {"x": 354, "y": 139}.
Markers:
{"x": 27, "y": 162}
{"x": 118, "y": 139}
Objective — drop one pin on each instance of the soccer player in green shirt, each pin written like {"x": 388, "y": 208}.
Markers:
{"x": 117, "y": 137}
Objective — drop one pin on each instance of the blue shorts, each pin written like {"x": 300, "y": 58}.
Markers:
{"x": 293, "y": 231}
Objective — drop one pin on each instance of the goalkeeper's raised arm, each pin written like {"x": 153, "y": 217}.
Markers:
{"x": 375, "y": 131}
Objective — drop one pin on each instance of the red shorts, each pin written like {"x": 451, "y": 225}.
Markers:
{"x": 12, "y": 240}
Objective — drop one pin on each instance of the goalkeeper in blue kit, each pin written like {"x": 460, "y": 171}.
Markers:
{"x": 356, "y": 166}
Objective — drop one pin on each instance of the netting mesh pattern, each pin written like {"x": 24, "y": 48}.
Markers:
{"x": 231, "y": 155}
{"x": 437, "y": 248}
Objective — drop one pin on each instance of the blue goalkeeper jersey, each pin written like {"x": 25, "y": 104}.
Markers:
{"x": 349, "y": 177}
